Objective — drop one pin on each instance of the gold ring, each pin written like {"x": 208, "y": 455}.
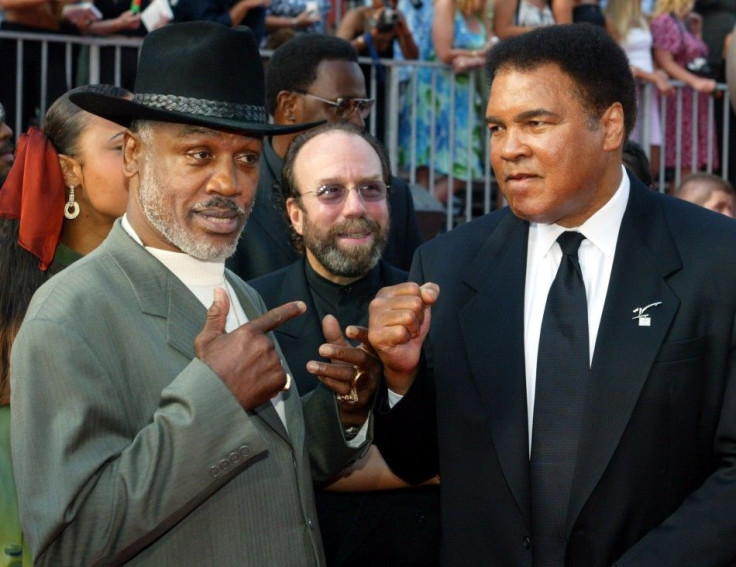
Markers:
{"x": 351, "y": 397}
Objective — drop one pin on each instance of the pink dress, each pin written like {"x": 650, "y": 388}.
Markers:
{"x": 669, "y": 34}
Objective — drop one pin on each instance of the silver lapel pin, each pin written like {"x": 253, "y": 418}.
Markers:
{"x": 641, "y": 314}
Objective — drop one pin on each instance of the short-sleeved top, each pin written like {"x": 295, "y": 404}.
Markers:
{"x": 529, "y": 15}
{"x": 292, "y": 8}
{"x": 669, "y": 34}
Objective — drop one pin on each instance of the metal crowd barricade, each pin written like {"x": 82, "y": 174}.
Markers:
{"x": 477, "y": 196}
{"x": 94, "y": 44}
{"x": 661, "y": 181}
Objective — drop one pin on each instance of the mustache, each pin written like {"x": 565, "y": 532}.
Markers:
{"x": 219, "y": 202}
{"x": 6, "y": 148}
{"x": 355, "y": 225}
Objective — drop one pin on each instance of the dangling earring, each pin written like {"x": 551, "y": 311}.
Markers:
{"x": 71, "y": 209}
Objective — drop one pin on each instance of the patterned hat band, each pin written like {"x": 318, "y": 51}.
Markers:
{"x": 203, "y": 107}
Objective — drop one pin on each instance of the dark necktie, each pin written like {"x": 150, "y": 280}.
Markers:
{"x": 563, "y": 369}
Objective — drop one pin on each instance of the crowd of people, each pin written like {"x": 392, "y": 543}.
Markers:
{"x": 222, "y": 336}
{"x": 439, "y": 140}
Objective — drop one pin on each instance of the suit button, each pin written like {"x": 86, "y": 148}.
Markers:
{"x": 214, "y": 472}
{"x": 310, "y": 523}
{"x": 244, "y": 451}
{"x": 234, "y": 457}
{"x": 526, "y": 542}
{"x": 224, "y": 464}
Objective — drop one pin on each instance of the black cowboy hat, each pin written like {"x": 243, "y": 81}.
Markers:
{"x": 195, "y": 73}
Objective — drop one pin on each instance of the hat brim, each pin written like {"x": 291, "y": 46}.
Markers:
{"x": 123, "y": 111}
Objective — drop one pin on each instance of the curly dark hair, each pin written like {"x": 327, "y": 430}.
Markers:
{"x": 287, "y": 188}
{"x": 293, "y": 66}
{"x": 21, "y": 277}
{"x": 586, "y": 53}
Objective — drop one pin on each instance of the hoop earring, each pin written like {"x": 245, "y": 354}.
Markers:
{"x": 71, "y": 209}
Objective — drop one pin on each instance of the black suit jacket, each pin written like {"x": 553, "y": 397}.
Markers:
{"x": 655, "y": 481}
{"x": 398, "y": 528}
{"x": 265, "y": 245}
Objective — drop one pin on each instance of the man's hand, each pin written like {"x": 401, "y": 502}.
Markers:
{"x": 246, "y": 358}
{"x": 398, "y": 324}
{"x": 351, "y": 369}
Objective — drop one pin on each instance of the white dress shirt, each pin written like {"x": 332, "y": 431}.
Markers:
{"x": 596, "y": 261}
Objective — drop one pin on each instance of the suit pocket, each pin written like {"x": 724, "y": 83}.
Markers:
{"x": 681, "y": 350}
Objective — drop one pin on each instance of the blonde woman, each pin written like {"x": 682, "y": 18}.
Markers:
{"x": 460, "y": 37}
{"x": 626, "y": 23}
{"x": 514, "y": 17}
{"x": 675, "y": 45}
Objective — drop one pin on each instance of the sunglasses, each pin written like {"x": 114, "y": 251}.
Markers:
{"x": 345, "y": 106}
{"x": 335, "y": 194}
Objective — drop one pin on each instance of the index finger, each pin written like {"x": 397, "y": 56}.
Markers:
{"x": 405, "y": 288}
{"x": 428, "y": 291}
{"x": 277, "y": 316}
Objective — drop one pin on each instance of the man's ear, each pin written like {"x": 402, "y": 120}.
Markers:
{"x": 296, "y": 215}
{"x": 71, "y": 169}
{"x": 132, "y": 153}
{"x": 613, "y": 127}
{"x": 287, "y": 108}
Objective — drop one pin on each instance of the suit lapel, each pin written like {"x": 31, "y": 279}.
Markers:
{"x": 267, "y": 412}
{"x": 625, "y": 350}
{"x": 159, "y": 292}
{"x": 496, "y": 352}
{"x": 186, "y": 316}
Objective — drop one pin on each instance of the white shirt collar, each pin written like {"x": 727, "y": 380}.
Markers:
{"x": 600, "y": 230}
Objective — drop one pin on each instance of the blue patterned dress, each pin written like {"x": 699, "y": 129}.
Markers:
{"x": 464, "y": 114}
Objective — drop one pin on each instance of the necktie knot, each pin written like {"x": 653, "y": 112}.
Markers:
{"x": 570, "y": 241}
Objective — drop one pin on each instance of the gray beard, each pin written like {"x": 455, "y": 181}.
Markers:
{"x": 352, "y": 263}
{"x": 162, "y": 218}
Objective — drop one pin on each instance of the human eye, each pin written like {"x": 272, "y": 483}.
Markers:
{"x": 344, "y": 104}
{"x": 330, "y": 193}
{"x": 249, "y": 159}
{"x": 494, "y": 129}
{"x": 372, "y": 191}
{"x": 200, "y": 154}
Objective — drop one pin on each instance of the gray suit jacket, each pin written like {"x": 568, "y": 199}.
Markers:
{"x": 129, "y": 449}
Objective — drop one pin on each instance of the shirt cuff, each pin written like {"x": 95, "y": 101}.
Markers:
{"x": 393, "y": 398}
{"x": 361, "y": 436}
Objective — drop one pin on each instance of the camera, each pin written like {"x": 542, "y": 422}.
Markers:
{"x": 387, "y": 19}
{"x": 700, "y": 67}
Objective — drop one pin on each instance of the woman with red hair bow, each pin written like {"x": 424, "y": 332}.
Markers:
{"x": 59, "y": 201}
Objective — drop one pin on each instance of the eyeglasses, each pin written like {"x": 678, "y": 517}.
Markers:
{"x": 345, "y": 106}
{"x": 335, "y": 194}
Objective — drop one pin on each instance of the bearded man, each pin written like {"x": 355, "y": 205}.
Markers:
{"x": 335, "y": 182}
{"x": 148, "y": 429}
